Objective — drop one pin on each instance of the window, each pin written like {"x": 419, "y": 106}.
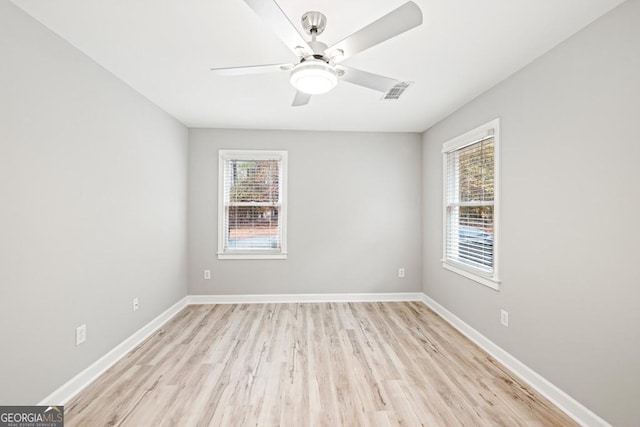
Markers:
{"x": 252, "y": 213}
{"x": 470, "y": 241}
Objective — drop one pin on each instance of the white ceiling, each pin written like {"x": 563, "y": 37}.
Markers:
{"x": 165, "y": 48}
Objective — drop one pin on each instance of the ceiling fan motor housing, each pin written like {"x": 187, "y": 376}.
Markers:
{"x": 318, "y": 48}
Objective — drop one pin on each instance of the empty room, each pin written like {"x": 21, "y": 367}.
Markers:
{"x": 319, "y": 213}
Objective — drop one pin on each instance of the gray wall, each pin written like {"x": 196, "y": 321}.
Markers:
{"x": 354, "y": 214}
{"x": 570, "y": 198}
{"x": 93, "y": 209}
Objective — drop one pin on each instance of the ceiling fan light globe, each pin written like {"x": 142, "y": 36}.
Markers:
{"x": 314, "y": 77}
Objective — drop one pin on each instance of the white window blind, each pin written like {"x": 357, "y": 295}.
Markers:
{"x": 252, "y": 206}
{"x": 470, "y": 202}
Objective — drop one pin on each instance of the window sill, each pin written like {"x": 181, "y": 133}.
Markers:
{"x": 486, "y": 281}
{"x": 252, "y": 256}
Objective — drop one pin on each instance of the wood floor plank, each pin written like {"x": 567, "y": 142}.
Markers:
{"x": 315, "y": 364}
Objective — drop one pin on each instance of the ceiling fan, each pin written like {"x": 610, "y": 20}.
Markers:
{"x": 319, "y": 67}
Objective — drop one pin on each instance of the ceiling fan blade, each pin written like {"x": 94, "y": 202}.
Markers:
{"x": 271, "y": 13}
{"x": 300, "y": 99}
{"x": 390, "y": 25}
{"x": 252, "y": 69}
{"x": 366, "y": 79}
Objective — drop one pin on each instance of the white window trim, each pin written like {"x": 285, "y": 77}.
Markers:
{"x": 491, "y": 280}
{"x": 253, "y": 155}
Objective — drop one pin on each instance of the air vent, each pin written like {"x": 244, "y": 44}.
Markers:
{"x": 396, "y": 91}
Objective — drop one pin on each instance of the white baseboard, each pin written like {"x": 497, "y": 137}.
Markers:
{"x": 581, "y": 414}
{"x": 76, "y": 384}
{"x": 303, "y": 298}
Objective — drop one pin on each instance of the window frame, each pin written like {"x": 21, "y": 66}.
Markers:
{"x": 281, "y": 156}
{"x": 492, "y": 280}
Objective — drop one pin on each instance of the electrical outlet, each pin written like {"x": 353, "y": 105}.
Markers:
{"x": 207, "y": 274}
{"x": 504, "y": 318}
{"x": 401, "y": 272}
{"x": 81, "y": 334}
{"x": 135, "y": 304}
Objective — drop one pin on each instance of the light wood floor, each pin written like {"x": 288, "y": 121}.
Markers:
{"x": 330, "y": 364}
